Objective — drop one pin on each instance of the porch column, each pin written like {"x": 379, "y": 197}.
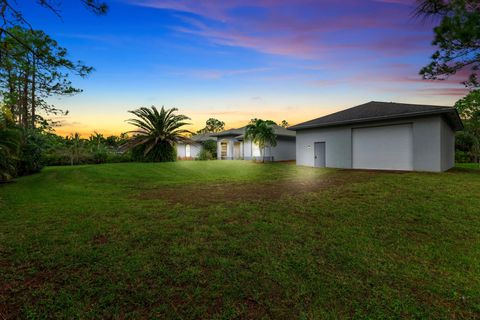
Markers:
{"x": 230, "y": 150}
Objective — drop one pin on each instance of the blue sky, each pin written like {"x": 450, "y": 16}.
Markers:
{"x": 235, "y": 60}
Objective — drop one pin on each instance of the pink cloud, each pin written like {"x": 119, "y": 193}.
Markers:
{"x": 456, "y": 92}
{"x": 300, "y": 28}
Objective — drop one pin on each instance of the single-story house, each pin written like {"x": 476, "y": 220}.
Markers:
{"x": 381, "y": 135}
{"x": 231, "y": 144}
{"x": 191, "y": 150}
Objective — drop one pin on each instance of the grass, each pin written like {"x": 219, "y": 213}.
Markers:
{"x": 469, "y": 165}
{"x": 233, "y": 239}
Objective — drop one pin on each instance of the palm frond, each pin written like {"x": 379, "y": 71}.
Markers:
{"x": 156, "y": 128}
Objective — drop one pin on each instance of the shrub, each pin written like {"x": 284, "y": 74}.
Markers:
{"x": 115, "y": 157}
{"x": 205, "y": 155}
{"x": 462, "y": 157}
{"x": 9, "y": 149}
{"x": 99, "y": 155}
{"x": 210, "y": 146}
{"x": 30, "y": 159}
{"x": 163, "y": 152}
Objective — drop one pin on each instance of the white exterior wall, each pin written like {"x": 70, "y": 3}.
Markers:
{"x": 338, "y": 146}
{"x": 283, "y": 151}
{"x": 180, "y": 150}
{"x": 448, "y": 146}
{"x": 427, "y": 144}
{"x": 194, "y": 150}
{"x": 247, "y": 149}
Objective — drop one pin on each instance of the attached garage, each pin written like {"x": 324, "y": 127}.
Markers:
{"x": 380, "y": 136}
{"x": 383, "y": 147}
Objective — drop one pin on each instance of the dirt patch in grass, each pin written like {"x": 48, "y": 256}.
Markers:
{"x": 99, "y": 239}
{"x": 215, "y": 193}
{"x": 17, "y": 290}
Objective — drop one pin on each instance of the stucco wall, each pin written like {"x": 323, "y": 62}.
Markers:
{"x": 338, "y": 146}
{"x": 180, "y": 150}
{"x": 427, "y": 144}
{"x": 194, "y": 150}
{"x": 283, "y": 151}
{"x": 247, "y": 149}
{"x": 448, "y": 146}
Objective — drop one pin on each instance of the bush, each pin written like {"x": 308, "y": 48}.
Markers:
{"x": 462, "y": 157}
{"x": 99, "y": 155}
{"x": 62, "y": 156}
{"x": 114, "y": 157}
{"x": 205, "y": 155}
{"x": 30, "y": 159}
{"x": 210, "y": 146}
{"x": 9, "y": 149}
{"x": 164, "y": 152}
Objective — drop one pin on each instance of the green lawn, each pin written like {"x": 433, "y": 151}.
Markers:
{"x": 233, "y": 239}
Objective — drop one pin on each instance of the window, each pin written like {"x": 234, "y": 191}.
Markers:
{"x": 187, "y": 151}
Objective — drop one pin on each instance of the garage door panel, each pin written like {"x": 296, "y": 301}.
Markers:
{"x": 385, "y": 147}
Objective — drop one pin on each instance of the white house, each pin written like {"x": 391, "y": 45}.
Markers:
{"x": 231, "y": 144}
{"x": 191, "y": 150}
{"x": 381, "y": 135}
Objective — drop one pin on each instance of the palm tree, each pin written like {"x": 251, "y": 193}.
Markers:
{"x": 157, "y": 133}
{"x": 75, "y": 149}
{"x": 262, "y": 133}
{"x": 96, "y": 139}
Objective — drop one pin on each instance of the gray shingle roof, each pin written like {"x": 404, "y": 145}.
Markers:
{"x": 376, "y": 111}
{"x": 203, "y": 137}
{"x": 240, "y": 132}
{"x": 230, "y": 132}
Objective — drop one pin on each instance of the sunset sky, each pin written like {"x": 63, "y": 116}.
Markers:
{"x": 240, "y": 59}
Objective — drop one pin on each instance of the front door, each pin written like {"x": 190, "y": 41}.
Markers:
{"x": 319, "y": 151}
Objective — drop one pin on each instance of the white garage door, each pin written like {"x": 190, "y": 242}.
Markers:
{"x": 385, "y": 147}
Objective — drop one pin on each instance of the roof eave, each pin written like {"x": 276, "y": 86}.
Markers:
{"x": 380, "y": 118}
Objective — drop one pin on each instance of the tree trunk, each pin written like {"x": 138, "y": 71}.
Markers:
{"x": 19, "y": 101}
{"x": 25, "y": 101}
{"x": 11, "y": 88}
{"x": 34, "y": 61}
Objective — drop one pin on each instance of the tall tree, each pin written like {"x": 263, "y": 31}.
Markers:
{"x": 212, "y": 125}
{"x": 11, "y": 15}
{"x": 457, "y": 37}
{"x": 157, "y": 133}
{"x": 284, "y": 124}
{"x": 32, "y": 72}
{"x": 469, "y": 110}
{"x": 262, "y": 133}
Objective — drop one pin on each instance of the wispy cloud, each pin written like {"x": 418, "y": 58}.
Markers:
{"x": 300, "y": 28}
{"x": 214, "y": 74}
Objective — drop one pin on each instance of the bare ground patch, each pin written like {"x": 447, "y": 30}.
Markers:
{"x": 215, "y": 193}
{"x": 13, "y": 292}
